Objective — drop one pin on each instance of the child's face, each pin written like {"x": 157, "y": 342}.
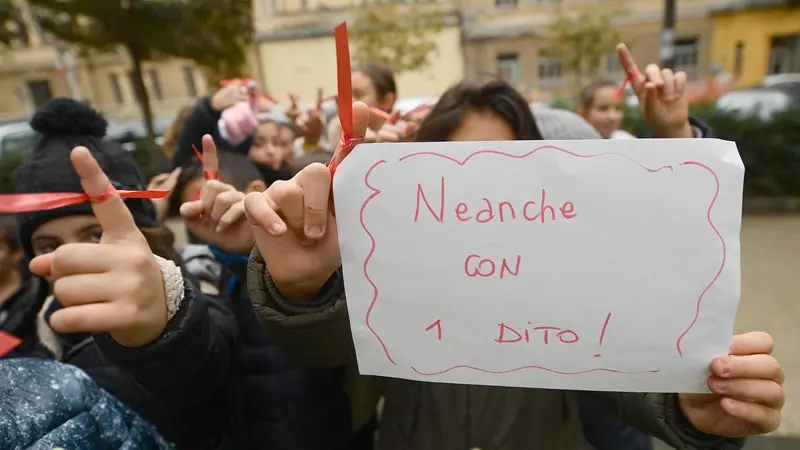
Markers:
{"x": 80, "y": 229}
{"x": 269, "y": 146}
{"x": 605, "y": 113}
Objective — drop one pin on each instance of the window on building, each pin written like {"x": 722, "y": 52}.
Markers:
{"x": 40, "y": 91}
{"x": 155, "y": 84}
{"x": 549, "y": 72}
{"x": 784, "y": 55}
{"x": 116, "y": 88}
{"x": 738, "y": 58}
{"x": 505, "y": 3}
{"x": 188, "y": 78}
{"x": 613, "y": 67}
{"x": 508, "y": 68}
{"x": 686, "y": 56}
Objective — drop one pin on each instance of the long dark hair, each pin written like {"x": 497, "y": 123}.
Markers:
{"x": 495, "y": 96}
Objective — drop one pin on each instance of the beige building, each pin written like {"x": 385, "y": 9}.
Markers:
{"x": 295, "y": 48}
{"x": 32, "y": 74}
{"x": 505, "y": 37}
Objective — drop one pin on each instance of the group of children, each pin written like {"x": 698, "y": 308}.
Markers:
{"x": 209, "y": 344}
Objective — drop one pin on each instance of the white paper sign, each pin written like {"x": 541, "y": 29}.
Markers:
{"x": 592, "y": 265}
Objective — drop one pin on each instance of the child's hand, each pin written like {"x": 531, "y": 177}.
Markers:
{"x": 662, "y": 96}
{"x": 240, "y": 121}
{"x": 164, "y": 182}
{"x": 294, "y": 226}
{"x": 748, "y": 391}
{"x": 229, "y": 95}
{"x": 310, "y": 122}
{"x": 217, "y": 217}
{"x": 114, "y": 286}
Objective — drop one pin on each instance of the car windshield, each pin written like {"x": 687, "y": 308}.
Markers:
{"x": 19, "y": 141}
{"x": 761, "y": 102}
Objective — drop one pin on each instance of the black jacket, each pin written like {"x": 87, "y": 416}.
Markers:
{"x": 203, "y": 119}
{"x": 178, "y": 383}
{"x": 18, "y": 314}
{"x": 277, "y": 405}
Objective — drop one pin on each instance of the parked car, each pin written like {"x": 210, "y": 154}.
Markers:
{"x": 15, "y": 137}
{"x": 763, "y": 101}
{"x": 20, "y": 136}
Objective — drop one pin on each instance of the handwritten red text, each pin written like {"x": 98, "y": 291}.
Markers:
{"x": 486, "y": 211}
{"x": 476, "y": 266}
{"x": 542, "y": 333}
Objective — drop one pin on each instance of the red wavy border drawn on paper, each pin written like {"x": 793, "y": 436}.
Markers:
{"x": 376, "y": 192}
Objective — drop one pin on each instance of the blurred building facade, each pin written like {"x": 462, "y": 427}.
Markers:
{"x": 295, "y": 48}
{"x": 507, "y": 36}
{"x": 35, "y": 68}
{"x": 756, "y": 38}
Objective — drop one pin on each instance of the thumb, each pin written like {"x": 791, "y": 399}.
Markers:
{"x": 360, "y": 120}
{"x": 41, "y": 265}
{"x": 110, "y": 211}
{"x": 172, "y": 180}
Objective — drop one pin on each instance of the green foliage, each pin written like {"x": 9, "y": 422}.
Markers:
{"x": 400, "y": 37}
{"x": 581, "y": 42}
{"x": 770, "y": 149}
{"x": 12, "y": 26}
{"x": 213, "y": 33}
{"x": 9, "y": 161}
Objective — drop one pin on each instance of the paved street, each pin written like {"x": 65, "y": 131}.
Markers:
{"x": 770, "y": 302}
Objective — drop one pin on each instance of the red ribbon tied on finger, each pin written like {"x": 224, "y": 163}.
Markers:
{"x": 207, "y": 174}
{"x": 249, "y": 83}
{"x": 45, "y": 201}
{"x": 344, "y": 97}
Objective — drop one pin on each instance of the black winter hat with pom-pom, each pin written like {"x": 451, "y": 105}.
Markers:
{"x": 64, "y": 124}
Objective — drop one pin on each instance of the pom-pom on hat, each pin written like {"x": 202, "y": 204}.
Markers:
{"x": 62, "y": 125}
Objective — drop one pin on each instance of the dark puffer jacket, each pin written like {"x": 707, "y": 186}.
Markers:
{"x": 178, "y": 382}
{"x": 45, "y": 405}
{"x": 276, "y": 405}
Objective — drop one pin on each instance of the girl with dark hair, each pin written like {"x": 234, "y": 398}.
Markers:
{"x": 374, "y": 86}
{"x": 296, "y": 287}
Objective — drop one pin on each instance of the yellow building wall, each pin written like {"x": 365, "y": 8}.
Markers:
{"x": 755, "y": 30}
{"x": 301, "y": 66}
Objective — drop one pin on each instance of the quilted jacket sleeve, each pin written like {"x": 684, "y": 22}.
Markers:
{"x": 48, "y": 405}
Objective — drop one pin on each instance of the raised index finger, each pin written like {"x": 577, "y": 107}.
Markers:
{"x": 626, "y": 61}
{"x": 109, "y": 209}
{"x": 210, "y": 159}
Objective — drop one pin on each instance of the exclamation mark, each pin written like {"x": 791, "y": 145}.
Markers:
{"x": 603, "y": 332}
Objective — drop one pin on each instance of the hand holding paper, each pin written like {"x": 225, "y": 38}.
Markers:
{"x": 114, "y": 286}
{"x": 748, "y": 391}
{"x": 294, "y": 225}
